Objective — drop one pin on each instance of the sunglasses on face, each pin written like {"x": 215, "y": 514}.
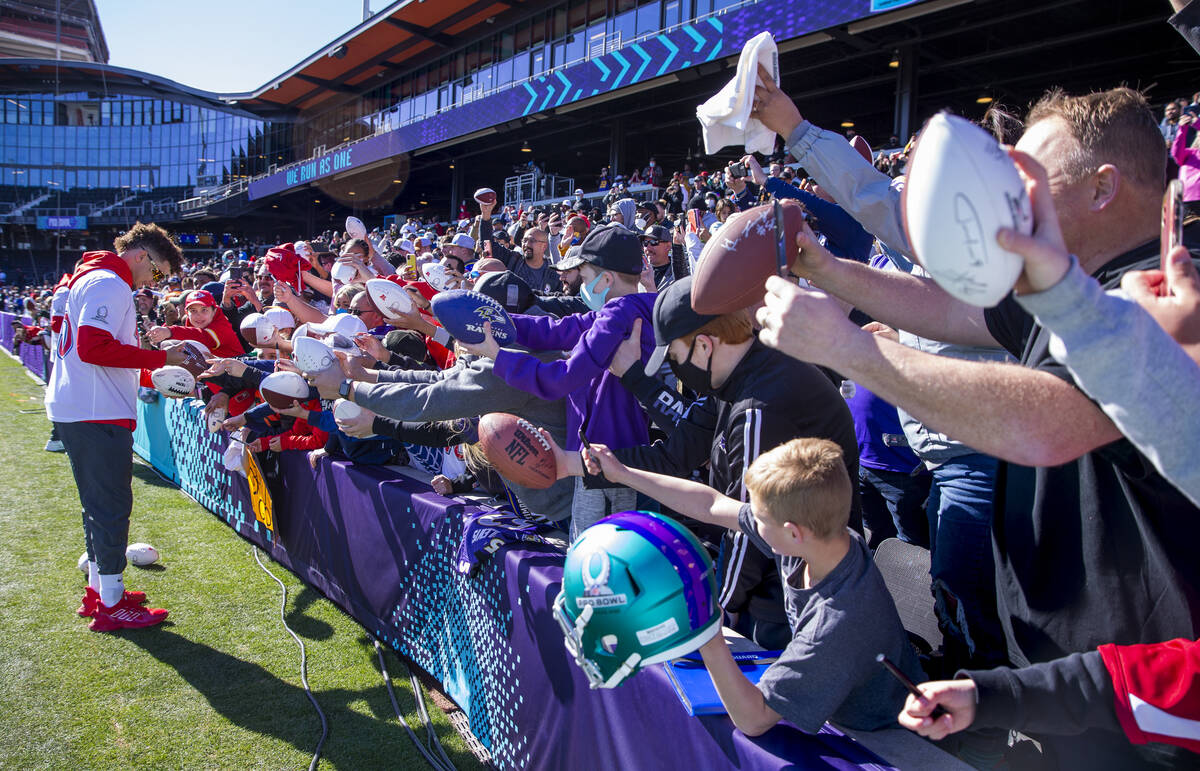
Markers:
{"x": 651, "y": 242}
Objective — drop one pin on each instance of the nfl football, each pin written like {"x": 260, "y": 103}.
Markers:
{"x": 83, "y": 563}
{"x": 173, "y": 381}
{"x": 739, "y": 258}
{"x": 435, "y": 275}
{"x": 282, "y": 389}
{"x": 463, "y": 313}
{"x": 346, "y": 410}
{"x": 485, "y": 195}
{"x": 257, "y": 329}
{"x": 312, "y": 355}
{"x": 961, "y": 189}
{"x": 517, "y": 450}
{"x": 197, "y": 354}
{"x": 389, "y": 298}
{"x": 355, "y": 228}
{"x": 141, "y": 554}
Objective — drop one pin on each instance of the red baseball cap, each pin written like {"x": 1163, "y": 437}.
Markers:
{"x": 199, "y": 297}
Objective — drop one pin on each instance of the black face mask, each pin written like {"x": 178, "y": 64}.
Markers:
{"x": 692, "y": 377}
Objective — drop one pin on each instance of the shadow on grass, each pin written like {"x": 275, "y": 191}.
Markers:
{"x": 150, "y": 476}
{"x": 306, "y": 626}
{"x": 249, "y": 696}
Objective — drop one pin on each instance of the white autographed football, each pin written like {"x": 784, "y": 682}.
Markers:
{"x": 960, "y": 190}
{"x": 82, "y": 564}
{"x": 355, "y": 228}
{"x": 389, "y": 298}
{"x": 175, "y": 382}
{"x": 312, "y": 355}
{"x": 141, "y": 554}
{"x": 435, "y": 275}
{"x": 257, "y": 329}
{"x": 343, "y": 271}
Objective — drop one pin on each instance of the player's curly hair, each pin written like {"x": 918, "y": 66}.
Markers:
{"x": 149, "y": 236}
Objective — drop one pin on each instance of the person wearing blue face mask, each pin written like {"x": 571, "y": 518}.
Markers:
{"x": 610, "y": 262}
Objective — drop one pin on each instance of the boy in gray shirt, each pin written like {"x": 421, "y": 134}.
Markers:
{"x": 837, "y": 604}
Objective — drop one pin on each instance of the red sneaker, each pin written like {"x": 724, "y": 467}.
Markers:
{"x": 91, "y": 598}
{"x": 125, "y": 615}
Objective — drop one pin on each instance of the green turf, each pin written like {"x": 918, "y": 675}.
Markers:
{"x": 217, "y": 686}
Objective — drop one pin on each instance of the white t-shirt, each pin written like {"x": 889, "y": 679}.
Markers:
{"x": 79, "y": 391}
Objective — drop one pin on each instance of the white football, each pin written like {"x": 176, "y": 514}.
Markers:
{"x": 355, "y": 228}
{"x": 82, "y": 564}
{"x": 960, "y": 190}
{"x": 257, "y": 329}
{"x": 141, "y": 554}
{"x": 389, "y": 297}
{"x": 312, "y": 355}
{"x": 216, "y": 418}
{"x": 343, "y": 271}
{"x": 175, "y": 382}
{"x": 435, "y": 274}
{"x": 345, "y": 410}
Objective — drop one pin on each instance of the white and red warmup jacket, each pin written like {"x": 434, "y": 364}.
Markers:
{"x": 96, "y": 356}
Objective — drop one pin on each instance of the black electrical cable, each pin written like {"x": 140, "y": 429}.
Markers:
{"x": 433, "y": 761}
{"x": 303, "y": 660}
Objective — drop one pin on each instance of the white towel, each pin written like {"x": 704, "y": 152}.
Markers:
{"x": 725, "y": 118}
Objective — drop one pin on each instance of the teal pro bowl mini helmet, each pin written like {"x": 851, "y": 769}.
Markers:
{"x": 638, "y": 589}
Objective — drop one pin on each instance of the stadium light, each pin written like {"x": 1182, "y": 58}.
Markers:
{"x": 525, "y": 148}
{"x": 847, "y": 124}
{"x": 984, "y": 100}
{"x": 895, "y": 62}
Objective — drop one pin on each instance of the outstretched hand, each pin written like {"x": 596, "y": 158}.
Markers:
{"x": 772, "y": 106}
{"x": 629, "y": 352}
{"x": 599, "y": 459}
{"x": 488, "y": 347}
{"x": 568, "y": 464}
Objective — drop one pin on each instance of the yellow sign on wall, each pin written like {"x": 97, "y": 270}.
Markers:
{"x": 260, "y": 496}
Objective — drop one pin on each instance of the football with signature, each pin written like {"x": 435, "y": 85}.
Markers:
{"x": 739, "y": 258}
{"x": 517, "y": 450}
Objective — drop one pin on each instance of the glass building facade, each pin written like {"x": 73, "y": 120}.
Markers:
{"x": 86, "y": 141}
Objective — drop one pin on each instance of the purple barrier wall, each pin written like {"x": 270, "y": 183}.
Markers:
{"x": 383, "y": 547}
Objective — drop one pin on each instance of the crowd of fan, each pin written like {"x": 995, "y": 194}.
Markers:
{"x": 1057, "y": 524}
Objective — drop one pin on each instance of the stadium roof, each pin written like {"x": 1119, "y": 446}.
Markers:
{"x": 384, "y": 44}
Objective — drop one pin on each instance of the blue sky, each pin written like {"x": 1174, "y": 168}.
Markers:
{"x": 222, "y": 45}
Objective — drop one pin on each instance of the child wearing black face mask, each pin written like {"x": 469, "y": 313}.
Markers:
{"x": 752, "y": 399}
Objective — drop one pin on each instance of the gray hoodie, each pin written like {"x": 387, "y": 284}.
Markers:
{"x": 628, "y": 209}
{"x": 466, "y": 390}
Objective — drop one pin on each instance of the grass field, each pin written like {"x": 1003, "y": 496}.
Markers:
{"x": 216, "y": 686}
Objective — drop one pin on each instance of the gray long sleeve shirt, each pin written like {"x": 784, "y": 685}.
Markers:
{"x": 466, "y": 390}
{"x": 873, "y": 198}
{"x": 1121, "y": 358}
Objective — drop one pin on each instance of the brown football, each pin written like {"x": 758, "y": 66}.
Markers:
{"x": 739, "y": 258}
{"x": 196, "y": 354}
{"x": 518, "y": 452}
{"x": 485, "y": 195}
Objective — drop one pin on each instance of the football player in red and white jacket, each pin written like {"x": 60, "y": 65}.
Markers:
{"x": 91, "y": 399}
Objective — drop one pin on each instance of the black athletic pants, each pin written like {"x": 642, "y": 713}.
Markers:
{"x": 102, "y": 461}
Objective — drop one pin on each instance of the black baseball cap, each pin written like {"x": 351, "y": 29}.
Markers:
{"x": 613, "y": 247}
{"x": 673, "y": 318}
{"x": 657, "y": 231}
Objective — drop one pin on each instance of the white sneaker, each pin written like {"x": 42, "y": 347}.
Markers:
{"x": 55, "y": 445}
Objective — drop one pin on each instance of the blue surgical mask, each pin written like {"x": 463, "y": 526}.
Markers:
{"x": 587, "y": 292}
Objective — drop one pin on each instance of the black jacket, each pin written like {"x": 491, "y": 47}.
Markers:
{"x": 768, "y": 399}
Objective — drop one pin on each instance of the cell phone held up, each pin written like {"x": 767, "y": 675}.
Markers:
{"x": 1172, "y": 223}
{"x": 738, "y": 170}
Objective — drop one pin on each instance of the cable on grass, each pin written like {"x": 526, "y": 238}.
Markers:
{"x": 303, "y": 660}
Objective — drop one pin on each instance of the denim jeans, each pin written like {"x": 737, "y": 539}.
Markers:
{"x": 893, "y": 506}
{"x": 962, "y": 567}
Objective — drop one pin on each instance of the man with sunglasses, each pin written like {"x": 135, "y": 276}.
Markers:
{"x": 91, "y": 398}
{"x": 664, "y": 251}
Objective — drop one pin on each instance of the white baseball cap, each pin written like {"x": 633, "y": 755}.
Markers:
{"x": 463, "y": 240}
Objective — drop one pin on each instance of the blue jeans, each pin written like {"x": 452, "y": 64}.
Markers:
{"x": 893, "y": 505}
{"x": 962, "y": 567}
